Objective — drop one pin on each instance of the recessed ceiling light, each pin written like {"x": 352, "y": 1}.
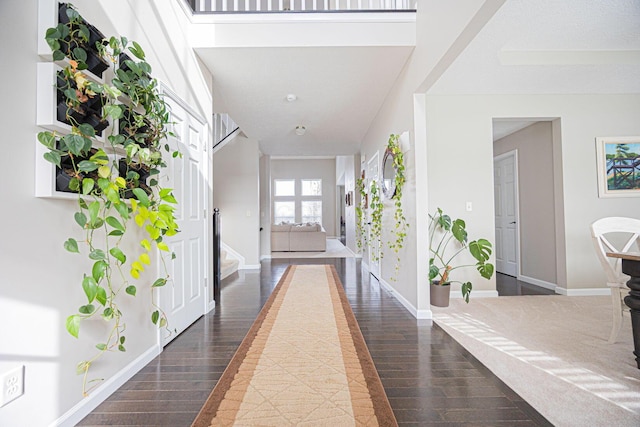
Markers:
{"x": 291, "y": 97}
{"x": 300, "y": 130}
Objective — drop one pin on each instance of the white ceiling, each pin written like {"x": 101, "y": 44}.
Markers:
{"x": 339, "y": 91}
{"x": 529, "y": 46}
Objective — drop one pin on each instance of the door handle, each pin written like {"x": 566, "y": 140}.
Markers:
{"x": 512, "y": 222}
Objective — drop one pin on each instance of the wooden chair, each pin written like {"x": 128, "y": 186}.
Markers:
{"x": 625, "y": 232}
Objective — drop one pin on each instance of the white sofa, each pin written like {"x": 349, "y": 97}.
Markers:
{"x": 298, "y": 237}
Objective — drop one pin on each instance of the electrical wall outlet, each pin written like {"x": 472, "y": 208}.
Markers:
{"x": 12, "y": 385}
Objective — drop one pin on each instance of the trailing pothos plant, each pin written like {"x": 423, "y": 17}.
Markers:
{"x": 361, "y": 209}
{"x": 400, "y": 222}
{"x": 377, "y": 207}
{"x": 112, "y": 203}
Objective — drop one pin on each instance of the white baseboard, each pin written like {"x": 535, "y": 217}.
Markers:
{"x": 265, "y": 257}
{"x": 83, "y": 408}
{"x": 538, "y": 282}
{"x": 250, "y": 267}
{"x": 418, "y": 314}
{"x": 210, "y": 306}
{"x": 583, "y": 292}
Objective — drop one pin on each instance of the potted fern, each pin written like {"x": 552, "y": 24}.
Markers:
{"x": 447, "y": 240}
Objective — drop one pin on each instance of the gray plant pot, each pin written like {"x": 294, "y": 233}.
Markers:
{"x": 440, "y": 294}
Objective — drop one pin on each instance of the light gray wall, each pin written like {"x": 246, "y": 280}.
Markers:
{"x": 236, "y": 192}
{"x": 324, "y": 169}
{"x": 536, "y": 198}
{"x": 583, "y": 118}
{"x": 40, "y": 283}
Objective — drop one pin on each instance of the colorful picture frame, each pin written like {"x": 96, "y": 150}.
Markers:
{"x": 618, "y": 160}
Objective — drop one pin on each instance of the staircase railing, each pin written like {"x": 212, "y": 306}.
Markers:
{"x": 253, "y": 6}
{"x": 223, "y": 128}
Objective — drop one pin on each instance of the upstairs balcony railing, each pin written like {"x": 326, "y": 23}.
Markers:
{"x": 258, "y": 6}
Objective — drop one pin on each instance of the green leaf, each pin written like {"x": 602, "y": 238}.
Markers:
{"x": 47, "y": 139}
{"x": 87, "y": 185}
{"x": 87, "y": 166}
{"x": 116, "y": 233}
{"x": 122, "y": 339}
{"x": 107, "y": 314}
{"x": 121, "y": 348}
{"x": 81, "y": 219}
{"x": 459, "y": 231}
{"x": 58, "y": 55}
{"x": 94, "y": 209}
{"x": 131, "y": 290}
{"x": 98, "y": 270}
{"x": 433, "y": 272}
{"x": 101, "y": 347}
{"x": 485, "y": 270}
{"x": 73, "y": 325}
{"x": 113, "y": 222}
{"x": 466, "y": 290}
{"x": 75, "y": 143}
{"x": 480, "y": 249}
{"x": 80, "y": 54}
{"x": 163, "y": 322}
{"x": 158, "y": 283}
{"x": 87, "y": 130}
{"x": 101, "y": 296}
{"x": 97, "y": 254}
{"x": 118, "y": 254}
{"x": 87, "y": 309}
{"x": 115, "y": 112}
{"x": 154, "y": 317}
{"x": 90, "y": 288}
{"x": 71, "y": 245}
{"x": 141, "y": 196}
{"x": 52, "y": 157}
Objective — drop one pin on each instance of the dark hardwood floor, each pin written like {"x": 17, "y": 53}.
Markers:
{"x": 510, "y": 286}
{"x": 429, "y": 378}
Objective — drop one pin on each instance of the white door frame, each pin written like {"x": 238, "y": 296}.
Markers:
{"x": 514, "y": 155}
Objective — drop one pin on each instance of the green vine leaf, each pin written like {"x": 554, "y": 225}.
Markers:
{"x": 90, "y": 287}
{"x": 131, "y": 290}
{"x": 113, "y": 222}
{"x": 141, "y": 196}
{"x": 158, "y": 283}
{"x": 87, "y": 309}
{"x": 155, "y": 316}
{"x": 81, "y": 219}
{"x": 101, "y": 296}
{"x": 99, "y": 269}
{"x": 73, "y": 325}
{"x": 97, "y": 254}
{"x": 118, "y": 254}
{"x": 101, "y": 347}
{"x": 71, "y": 245}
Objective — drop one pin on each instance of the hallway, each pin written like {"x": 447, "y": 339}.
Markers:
{"x": 429, "y": 379}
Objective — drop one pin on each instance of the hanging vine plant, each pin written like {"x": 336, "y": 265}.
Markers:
{"x": 116, "y": 182}
{"x": 400, "y": 222}
{"x": 361, "y": 208}
{"x": 377, "y": 208}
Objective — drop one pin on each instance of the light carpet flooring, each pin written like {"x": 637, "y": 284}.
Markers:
{"x": 335, "y": 249}
{"x": 553, "y": 352}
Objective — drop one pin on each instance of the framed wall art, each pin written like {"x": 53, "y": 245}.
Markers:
{"x": 618, "y": 161}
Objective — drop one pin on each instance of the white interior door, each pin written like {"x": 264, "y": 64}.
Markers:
{"x": 373, "y": 174}
{"x": 183, "y": 298}
{"x": 506, "y": 207}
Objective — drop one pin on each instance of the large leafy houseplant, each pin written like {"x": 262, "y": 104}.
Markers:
{"x": 116, "y": 182}
{"x": 447, "y": 240}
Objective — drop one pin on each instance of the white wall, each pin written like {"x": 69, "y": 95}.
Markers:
{"x": 265, "y": 206}
{"x": 40, "y": 281}
{"x": 582, "y": 117}
{"x": 236, "y": 192}
{"x": 536, "y": 196}
{"x": 438, "y": 26}
{"x": 324, "y": 169}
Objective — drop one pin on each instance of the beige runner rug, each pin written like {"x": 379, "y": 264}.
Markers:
{"x": 304, "y": 362}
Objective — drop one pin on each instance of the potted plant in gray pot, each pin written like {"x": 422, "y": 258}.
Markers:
{"x": 447, "y": 240}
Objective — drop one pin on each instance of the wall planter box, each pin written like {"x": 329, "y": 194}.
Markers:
{"x": 136, "y": 176}
{"x": 50, "y": 14}
{"x": 127, "y": 126}
{"x": 49, "y": 112}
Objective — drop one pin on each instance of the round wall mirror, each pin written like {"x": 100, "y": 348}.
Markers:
{"x": 388, "y": 175}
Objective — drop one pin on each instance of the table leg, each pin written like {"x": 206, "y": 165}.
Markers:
{"x": 632, "y": 268}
